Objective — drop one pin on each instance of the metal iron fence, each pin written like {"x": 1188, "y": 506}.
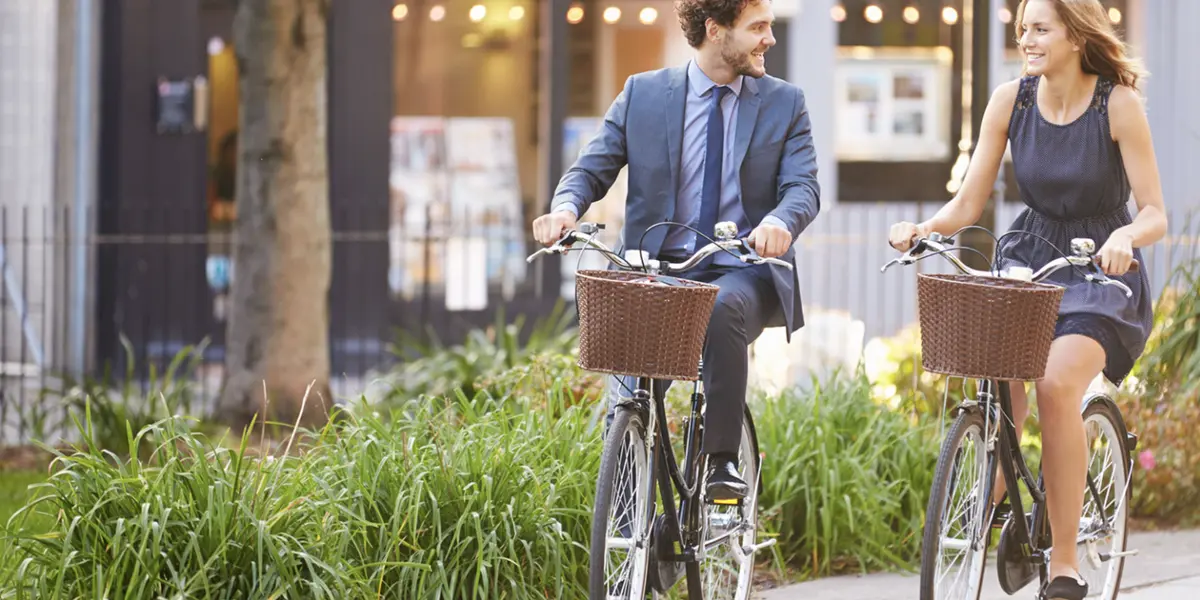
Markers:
{"x": 162, "y": 285}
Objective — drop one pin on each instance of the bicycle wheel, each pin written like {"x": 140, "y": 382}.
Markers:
{"x": 1102, "y": 528}
{"x": 956, "y": 533}
{"x": 620, "y": 548}
{"x": 726, "y": 572}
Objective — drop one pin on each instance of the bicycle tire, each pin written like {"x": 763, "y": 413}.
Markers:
{"x": 626, "y": 421}
{"x": 1101, "y": 407}
{"x": 965, "y": 423}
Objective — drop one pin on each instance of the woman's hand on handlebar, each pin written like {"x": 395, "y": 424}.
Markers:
{"x": 903, "y": 234}
{"x": 1116, "y": 257}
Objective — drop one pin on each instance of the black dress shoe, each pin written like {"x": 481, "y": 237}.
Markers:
{"x": 1066, "y": 588}
{"x": 724, "y": 483}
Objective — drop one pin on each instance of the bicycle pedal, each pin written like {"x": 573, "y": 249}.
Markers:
{"x": 751, "y": 549}
{"x": 1107, "y": 556}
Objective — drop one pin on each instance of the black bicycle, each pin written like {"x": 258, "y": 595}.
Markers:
{"x": 982, "y": 438}
{"x": 645, "y": 550}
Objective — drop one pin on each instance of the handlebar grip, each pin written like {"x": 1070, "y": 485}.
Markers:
{"x": 1134, "y": 265}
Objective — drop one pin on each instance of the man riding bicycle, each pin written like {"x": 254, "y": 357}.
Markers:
{"x": 715, "y": 139}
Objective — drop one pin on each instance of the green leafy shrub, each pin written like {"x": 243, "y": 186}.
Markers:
{"x": 476, "y": 365}
{"x": 457, "y": 496}
{"x": 470, "y": 499}
{"x": 115, "y": 405}
{"x": 1161, "y": 403}
{"x": 845, "y": 480}
{"x": 893, "y": 365}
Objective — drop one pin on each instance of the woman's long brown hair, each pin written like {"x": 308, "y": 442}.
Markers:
{"x": 1088, "y": 25}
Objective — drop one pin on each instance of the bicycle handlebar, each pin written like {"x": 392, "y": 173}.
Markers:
{"x": 640, "y": 261}
{"x": 1083, "y": 249}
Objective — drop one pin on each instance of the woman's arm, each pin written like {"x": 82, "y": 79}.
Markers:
{"x": 1131, "y": 130}
{"x": 967, "y": 206}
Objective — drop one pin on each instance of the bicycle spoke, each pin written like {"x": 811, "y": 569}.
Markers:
{"x": 725, "y": 572}
{"x": 623, "y": 520}
{"x": 955, "y": 529}
{"x": 1102, "y": 524}
{"x": 620, "y": 530}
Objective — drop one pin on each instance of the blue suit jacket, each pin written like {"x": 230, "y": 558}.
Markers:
{"x": 644, "y": 130}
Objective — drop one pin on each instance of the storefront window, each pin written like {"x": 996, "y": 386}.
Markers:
{"x": 466, "y": 162}
{"x": 464, "y": 148}
{"x": 921, "y": 23}
{"x": 611, "y": 40}
{"x": 222, "y": 169}
{"x": 894, "y": 79}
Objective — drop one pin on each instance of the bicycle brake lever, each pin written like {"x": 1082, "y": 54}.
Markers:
{"x": 559, "y": 247}
{"x": 541, "y": 251}
{"x": 776, "y": 261}
{"x": 905, "y": 259}
{"x": 1099, "y": 276}
{"x": 1120, "y": 284}
{"x": 750, "y": 255}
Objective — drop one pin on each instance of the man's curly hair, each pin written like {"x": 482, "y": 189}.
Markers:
{"x": 693, "y": 13}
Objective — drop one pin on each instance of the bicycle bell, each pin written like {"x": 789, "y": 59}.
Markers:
{"x": 1083, "y": 247}
{"x": 725, "y": 230}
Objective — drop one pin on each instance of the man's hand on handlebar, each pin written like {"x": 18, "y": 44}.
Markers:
{"x": 549, "y": 228}
{"x": 770, "y": 240}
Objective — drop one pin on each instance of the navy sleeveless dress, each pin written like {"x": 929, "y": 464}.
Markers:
{"x": 1073, "y": 184}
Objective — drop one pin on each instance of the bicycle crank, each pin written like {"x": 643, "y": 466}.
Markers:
{"x": 1014, "y": 566}
{"x": 664, "y": 571}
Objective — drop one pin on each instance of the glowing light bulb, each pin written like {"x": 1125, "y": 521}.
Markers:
{"x": 949, "y": 15}
{"x": 872, "y": 13}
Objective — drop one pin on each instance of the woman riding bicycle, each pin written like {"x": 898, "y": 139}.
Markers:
{"x": 1080, "y": 145}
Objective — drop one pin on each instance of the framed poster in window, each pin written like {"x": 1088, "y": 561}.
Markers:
{"x": 893, "y": 104}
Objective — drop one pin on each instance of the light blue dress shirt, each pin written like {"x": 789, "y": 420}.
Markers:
{"x": 680, "y": 241}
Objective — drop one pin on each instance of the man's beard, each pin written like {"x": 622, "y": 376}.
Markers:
{"x": 739, "y": 62}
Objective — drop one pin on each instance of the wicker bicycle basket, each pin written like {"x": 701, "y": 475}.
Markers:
{"x": 986, "y": 328}
{"x": 632, "y": 327}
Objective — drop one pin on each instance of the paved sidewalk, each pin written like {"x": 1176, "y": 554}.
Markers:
{"x": 1167, "y": 567}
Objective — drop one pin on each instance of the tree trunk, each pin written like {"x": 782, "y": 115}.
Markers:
{"x": 277, "y": 335}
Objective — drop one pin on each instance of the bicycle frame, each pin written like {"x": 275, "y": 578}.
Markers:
{"x": 1009, "y": 460}
{"x": 683, "y": 523}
